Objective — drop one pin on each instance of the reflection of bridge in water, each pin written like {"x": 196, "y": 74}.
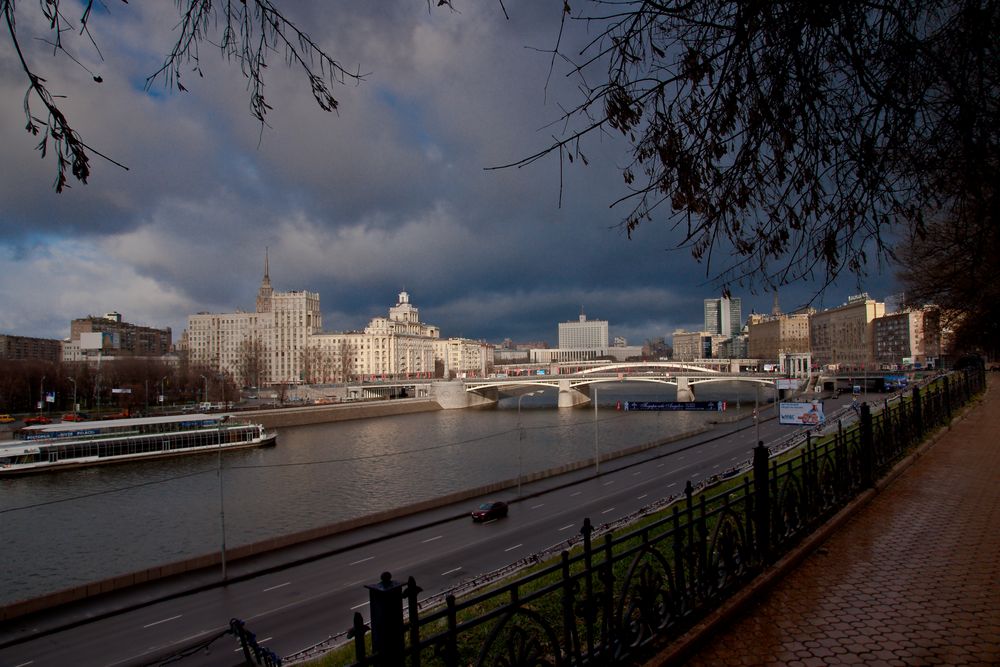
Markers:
{"x": 574, "y": 387}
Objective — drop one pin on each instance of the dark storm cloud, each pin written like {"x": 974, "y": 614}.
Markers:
{"x": 390, "y": 193}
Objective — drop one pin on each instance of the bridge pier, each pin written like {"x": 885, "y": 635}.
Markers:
{"x": 685, "y": 393}
{"x": 569, "y": 397}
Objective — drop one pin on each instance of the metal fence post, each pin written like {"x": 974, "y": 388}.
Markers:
{"x": 387, "y": 620}
{"x": 918, "y": 415}
{"x": 762, "y": 502}
{"x": 947, "y": 396}
{"x": 867, "y": 448}
{"x": 411, "y": 593}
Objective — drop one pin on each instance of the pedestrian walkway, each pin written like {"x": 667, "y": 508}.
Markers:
{"x": 912, "y": 578}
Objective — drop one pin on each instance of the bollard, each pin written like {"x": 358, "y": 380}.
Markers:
{"x": 387, "y": 620}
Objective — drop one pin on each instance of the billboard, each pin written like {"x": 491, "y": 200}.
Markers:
{"x": 99, "y": 340}
{"x": 675, "y": 406}
{"x": 91, "y": 340}
{"x": 786, "y": 383}
{"x": 801, "y": 414}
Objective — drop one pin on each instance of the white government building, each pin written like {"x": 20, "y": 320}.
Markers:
{"x": 585, "y": 340}
{"x": 282, "y": 341}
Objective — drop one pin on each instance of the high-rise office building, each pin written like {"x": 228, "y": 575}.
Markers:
{"x": 724, "y": 316}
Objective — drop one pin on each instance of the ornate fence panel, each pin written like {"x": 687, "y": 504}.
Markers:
{"x": 609, "y": 600}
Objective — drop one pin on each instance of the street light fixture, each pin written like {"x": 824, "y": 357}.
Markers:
{"x": 520, "y": 437}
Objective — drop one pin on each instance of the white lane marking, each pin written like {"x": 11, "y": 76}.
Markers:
{"x": 516, "y": 546}
{"x": 363, "y": 560}
{"x": 636, "y": 474}
{"x": 276, "y": 587}
{"x": 714, "y": 467}
{"x": 172, "y": 618}
{"x": 567, "y": 526}
{"x": 431, "y": 539}
{"x": 671, "y": 484}
{"x": 25, "y": 664}
{"x": 359, "y": 606}
{"x": 452, "y": 571}
{"x": 610, "y": 509}
{"x": 534, "y": 507}
{"x": 575, "y": 494}
{"x": 642, "y": 496}
{"x": 660, "y": 465}
{"x": 681, "y": 458}
{"x": 609, "y": 483}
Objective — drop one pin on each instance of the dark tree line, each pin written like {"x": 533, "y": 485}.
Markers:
{"x": 23, "y": 383}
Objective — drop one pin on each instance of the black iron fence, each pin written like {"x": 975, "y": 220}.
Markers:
{"x": 610, "y": 600}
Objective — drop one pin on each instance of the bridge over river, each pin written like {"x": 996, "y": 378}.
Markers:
{"x": 575, "y": 387}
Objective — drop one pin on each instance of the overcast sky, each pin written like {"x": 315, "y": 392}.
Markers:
{"x": 389, "y": 194}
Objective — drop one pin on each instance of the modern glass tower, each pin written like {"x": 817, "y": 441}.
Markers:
{"x": 724, "y": 316}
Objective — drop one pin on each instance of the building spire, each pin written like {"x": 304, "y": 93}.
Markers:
{"x": 265, "y": 292}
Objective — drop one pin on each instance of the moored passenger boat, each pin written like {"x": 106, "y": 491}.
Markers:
{"x": 60, "y": 446}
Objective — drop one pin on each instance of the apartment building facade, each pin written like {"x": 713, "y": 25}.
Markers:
{"x": 843, "y": 337}
{"x": 771, "y": 336}
{"x": 909, "y": 337}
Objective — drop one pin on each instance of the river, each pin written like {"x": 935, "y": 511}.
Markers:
{"x": 72, "y": 527}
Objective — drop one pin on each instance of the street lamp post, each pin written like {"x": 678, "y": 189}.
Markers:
{"x": 74, "y": 393}
{"x": 41, "y": 395}
{"x": 204, "y": 398}
{"x": 597, "y": 450}
{"x": 162, "y": 400}
{"x": 520, "y": 438}
{"x": 222, "y": 503}
{"x": 756, "y": 412}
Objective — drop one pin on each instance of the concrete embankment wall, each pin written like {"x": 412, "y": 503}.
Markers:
{"x": 210, "y": 563}
{"x": 325, "y": 414}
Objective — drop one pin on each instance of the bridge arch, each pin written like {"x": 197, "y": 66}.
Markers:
{"x": 575, "y": 389}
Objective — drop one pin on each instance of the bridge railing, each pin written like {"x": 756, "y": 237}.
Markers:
{"x": 615, "y": 594}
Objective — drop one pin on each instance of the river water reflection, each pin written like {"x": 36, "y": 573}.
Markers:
{"x": 63, "y": 529}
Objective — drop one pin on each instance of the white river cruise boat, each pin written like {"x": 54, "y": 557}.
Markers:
{"x": 60, "y": 446}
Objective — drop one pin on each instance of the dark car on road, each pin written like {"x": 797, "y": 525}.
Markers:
{"x": 496, "y": 509}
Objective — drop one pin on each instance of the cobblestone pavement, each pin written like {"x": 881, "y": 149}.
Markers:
{"x": 912, "y": 579}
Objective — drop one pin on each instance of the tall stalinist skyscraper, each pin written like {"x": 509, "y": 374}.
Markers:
{"x": 271, "y": 341}
{"x": 282, "y": 341}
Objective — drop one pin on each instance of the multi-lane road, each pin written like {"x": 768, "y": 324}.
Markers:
{"x": 295, "y": 607}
